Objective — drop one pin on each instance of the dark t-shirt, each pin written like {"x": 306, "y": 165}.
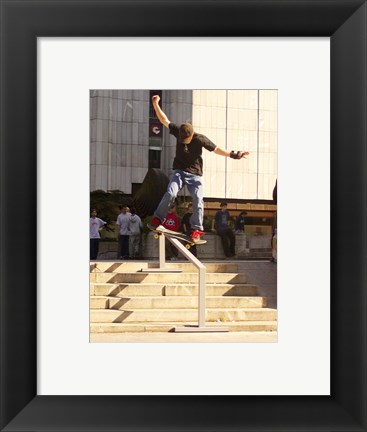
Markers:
{"x": 221, "y": 220}
{"x": 188, "y": 156}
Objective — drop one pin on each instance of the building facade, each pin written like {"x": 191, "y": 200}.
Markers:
{"x": 126, "y": 139}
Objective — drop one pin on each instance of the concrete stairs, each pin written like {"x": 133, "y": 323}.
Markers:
{"x": 124, "y": 299}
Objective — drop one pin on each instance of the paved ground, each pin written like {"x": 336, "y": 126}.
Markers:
{"x": 231, "y": 337}
{"x": 264, "y": 275}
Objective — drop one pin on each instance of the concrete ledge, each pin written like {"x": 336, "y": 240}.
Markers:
{"x": 211, "y": 250}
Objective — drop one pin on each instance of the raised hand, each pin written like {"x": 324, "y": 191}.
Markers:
{"x": 155, "y": 99}
{"x": 244, "y": 154}
{"x": 239, "y": 154}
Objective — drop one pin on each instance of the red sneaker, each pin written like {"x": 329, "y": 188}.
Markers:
{"x": 195, "y": 235}
{"x": 154, "y": 224}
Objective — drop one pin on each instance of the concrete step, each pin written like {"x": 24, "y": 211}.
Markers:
{"x": 180, "y": 315}
{"x": 134, "y": 266}
{"x": 258, "y": 255}
{"x": 175, "y": 302}
{"x": 163, "y": 289}
{"x": 220, "y": 278}
{"x": 212, "y": 290}
{"x": 254, "y": 326}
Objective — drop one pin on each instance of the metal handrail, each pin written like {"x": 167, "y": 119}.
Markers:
{"x": 202, "y": 273}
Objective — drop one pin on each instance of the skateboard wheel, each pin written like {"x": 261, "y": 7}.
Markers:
{"x": 188, "y": 246}
{"x": 156, "y": 236}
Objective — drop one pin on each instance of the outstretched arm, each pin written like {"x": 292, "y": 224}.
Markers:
{"x": 160, "y": 114}
{"x": 231, "y": 154}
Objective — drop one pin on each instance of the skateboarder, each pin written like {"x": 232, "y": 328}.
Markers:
{"x": 188, "y": 170}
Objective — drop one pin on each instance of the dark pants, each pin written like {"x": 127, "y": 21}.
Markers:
{"x": 94, "y": 247}
{"x": 193, "y": 250}
{"x": 171, "y": 251}
{"x": 228, "y": 241}
{"x": 123, "y": 250}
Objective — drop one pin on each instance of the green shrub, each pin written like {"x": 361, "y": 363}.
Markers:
{"x": 107, "y": 206}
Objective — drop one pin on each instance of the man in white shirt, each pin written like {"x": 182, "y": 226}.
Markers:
{"x": 95, "y": 225}
{"x": 123, "y": 220}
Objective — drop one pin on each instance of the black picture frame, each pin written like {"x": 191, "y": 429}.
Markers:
{"x": 21, "y": 23}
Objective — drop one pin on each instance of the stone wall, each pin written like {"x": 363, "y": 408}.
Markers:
{"x": 256, "y": 246}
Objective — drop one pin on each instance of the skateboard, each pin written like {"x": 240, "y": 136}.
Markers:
{"x": 179, "y": 236}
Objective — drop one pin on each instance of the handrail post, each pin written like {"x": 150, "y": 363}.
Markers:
{"x": 162, "y": 268}
{"x": 201, "y": 294}
{"x": 162, "y": 251}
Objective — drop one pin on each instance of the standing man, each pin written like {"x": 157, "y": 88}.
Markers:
{"x": 240, "y": 223}
{"x": 222, "y": 228}
{"x": 95, "y": 226}
{"x": 134, "y": 230}
{"x": 123, "y": 235}
{"x": 188, "y": 170}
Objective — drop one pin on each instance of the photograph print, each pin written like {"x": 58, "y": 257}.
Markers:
{"x": 183, "y": 215}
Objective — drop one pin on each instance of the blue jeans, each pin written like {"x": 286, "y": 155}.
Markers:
{"x": 195, "y": 186}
